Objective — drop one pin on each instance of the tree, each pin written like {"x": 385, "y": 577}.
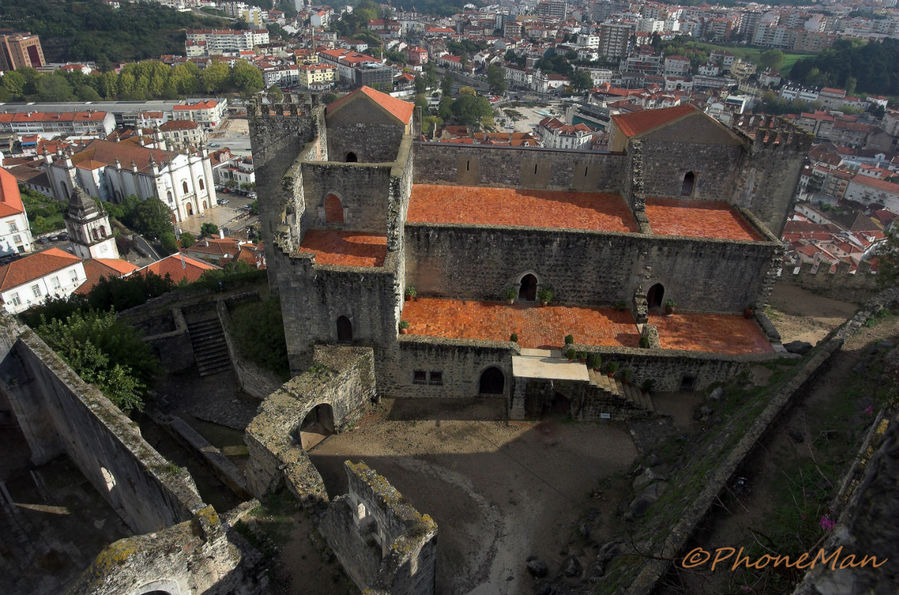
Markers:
{"x": 275, "y": 95}
{"x": 446, "y": 85}
{"x": 209, "y": 229}
{"x": 421, "y": 84}
{"x": 106, "y": 352}
{"x": 14, "y": 83}
{"x": 430, "y": 124}
{"x": 169, "y": 242}
{"x": 771, "y": 59}
{"x": 246, "y": 78}
{"x": 215, "y": 78}
{"x": 54, "y": 87}
{"x": 469, "y": 110}
{"x": 888, "y": 261}
{"x": 153, "y": 217}
{"x": 851, "y": 83}
{"x": 581, "y": 80}
{"x": 187, "y": 239}
{"x": 496, "y": 78}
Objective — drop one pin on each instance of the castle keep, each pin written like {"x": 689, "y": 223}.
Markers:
{"x": 356, "y": 210}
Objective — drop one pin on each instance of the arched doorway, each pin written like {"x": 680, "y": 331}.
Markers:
{"x": 686, "y": 188}
{"x": 528, "y": 289}
{"x": 333, "y": 209}
{"x": 204, "y": 205}
{"x": 560, "y": 406}
{"x": 654, "y": 296}
{"x": 493, "y": 382}
{"x": 190, "y": 209}
{"x": 344, "y": 329}
{"x": 351, "y": 157}
{"x": 317, "y": 425}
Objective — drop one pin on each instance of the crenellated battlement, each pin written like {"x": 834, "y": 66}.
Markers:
{"x": 771, "y": 132}
{"x": 291, "y": 105}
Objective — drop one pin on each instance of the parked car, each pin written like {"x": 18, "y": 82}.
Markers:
{"x": 222, "y": 201}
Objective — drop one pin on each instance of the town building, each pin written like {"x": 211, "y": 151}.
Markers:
{"x": 207, "y": 114}
{"x": 614, "y": 39}
{"x": 21, "y": 50}
{"x": 84, "y": 123}
{"x": 15, "y": 232}
{"x": 88, "y": 227}
{"x": 31, "y": 280}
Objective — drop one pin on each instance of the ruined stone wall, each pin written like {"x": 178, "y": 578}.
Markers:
{"x": 60, "y": 413}
{"x": 840, "y": 285}
{"x": 459, "y": 361}
{"x": 196, "y": 556}
{"x": 587, "y": 268}
{"x": 362, "y": 188}
{"x": 442, "y": 163}
{"x": 363, "y": 129}
{"x": 383, "y": 543}
{"x": 172, "y": 346}
{"x": 341, "y": 377}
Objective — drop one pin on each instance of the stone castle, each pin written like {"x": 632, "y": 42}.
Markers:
{"x": 357, "y": 210}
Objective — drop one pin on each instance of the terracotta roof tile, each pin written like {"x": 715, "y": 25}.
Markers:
{"x": 34, "y": 266}
{"x": 399, "y": 109}
{"x": 641, "y": 122}
{"x": 10, "y": 199}
{"x": 698, "y": 219}
{"x": 345, "y": 248}
{"x": 179, "y": 268}
{"x": 98, "y": 268}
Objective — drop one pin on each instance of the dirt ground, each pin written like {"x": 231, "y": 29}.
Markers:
{"x": 500, "y": 492}
{"x": 801, "y": 315}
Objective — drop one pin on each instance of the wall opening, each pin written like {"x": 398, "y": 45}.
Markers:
{"x": 344, "y": 329}
{"x": 654, "y": 296}
{"x": 351, "y": 157}
{"x": 317, "y": 425}
{"x": 686, "y": 188}
{"x": 688, "y": 383}
{"x": 65, "y": 190}
{"x": 333, "y": 209}
{"x": 528, "y": 289}
{"x": 493, "y": 381}
{"x": 190, "y": 209}
{"x": 184, "y": 186}
{"x": 560, "y": 406}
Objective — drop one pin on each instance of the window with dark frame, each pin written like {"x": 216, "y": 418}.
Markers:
{"x": 419, "y": 377}
{"x": 436, "y": 378}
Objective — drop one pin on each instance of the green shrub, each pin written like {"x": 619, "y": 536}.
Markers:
{"x": 545, "y": 295}
{"x": 610, "y": 368}
{"x": 620, "y": 306}
{"x": 410, "y": 291}
{"x": 258, "y": 330}
{"x": 569, "y": 339}
{"x": 644, "y": 342}
{"x": 648, "y": 385}
{"x": 209, "y": 229}
{"x": 582, "y": 356}
{"x": 514, "y": 337}
{"x": 404, "y": 324}
{"x": 594, "y": 361}
{"x": 510, "y": 293}
{"x": 626, "y": 375}
{"x": 187, "y": 239}
{"x": 571, "y": 353}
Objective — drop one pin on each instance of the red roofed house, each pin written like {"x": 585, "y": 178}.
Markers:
{"x": 558, "y": 135}
{"x": 181, "y": 134}
{"x": 97, "y": 269}
{"x": 221, "y": 251}
{"x": 207, "y": 114}
{"x": 868, "y": 190}
{"x": 29, "y": 281}
{"x": 179, "y": 268}
{"x": 381, "y": 112}
{"x": 81, "y": 123}
{"x": 15, "y": 233}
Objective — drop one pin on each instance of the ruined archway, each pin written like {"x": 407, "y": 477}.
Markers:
{"x": 351, "y": 157}
{"x": 528, "y": 289}
{"x": 654, "y": 296}
{"x": 317, "y": 425}
{"x": 493, "y": 382}
{"x": 344, "y": 329}
{"x": 686, "y": 188}
{"x": 333, "y": 209}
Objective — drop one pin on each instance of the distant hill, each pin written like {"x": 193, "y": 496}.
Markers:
{"x": 89, "y": 30}
{"x": 853, "y": 65}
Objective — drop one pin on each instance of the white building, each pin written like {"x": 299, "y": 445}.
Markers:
{"x": 226, "y": 40}
{"x": 555, "y": 134}
{"x": 15, "y": 233}
{"x": 207, "y": 114}
{"x": 88, "y": 228}
{"x": 111, "y": 171}
{"x": 89, "y": 123}
{"x": 31, "y": 280}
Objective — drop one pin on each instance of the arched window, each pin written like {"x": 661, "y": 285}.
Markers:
{"x": 528, "y": 289}
{"x": 687, "y": 186}
{"x": 184, "y": 186}
{"x": 654, "y": 296}
{"x": 202, "y": 184}
{"x": 168, "y": 195}
{"x": 65, "y": 190}
{"x": 351, "y": 157}
{"x": 102, "y": 231}
{"x": 344, "y": 329}
{"x": 333, "y": 209}
{"x": 493, "y": 381}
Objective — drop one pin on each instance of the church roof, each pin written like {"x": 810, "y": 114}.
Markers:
{"x": 106, "y": 152}
{"x": 10, "y": 199}
{"x": 644, "y": 121}
{"x": 399, "y": 109}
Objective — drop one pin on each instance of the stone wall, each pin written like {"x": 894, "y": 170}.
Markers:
{"x": 254, "y": 380}
{"x": 196, "y": 556}
{"x": 342, "y": 378}
{"x": 587, "y": 268}
{"x": 840, "y": 285}
{"x": 460, "y": 363}
{"x": 363, "y": 190}
{"x": 384, "y": 544}
{"x": 173, "y": 347}
{"x": 365, "y": 130}
{"x": 60, "y": 413}
{"x": 442, "y": 163}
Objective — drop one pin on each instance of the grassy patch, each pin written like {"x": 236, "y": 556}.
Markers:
{"x": 258, "y": 330}
{"x": 44, "y": 214}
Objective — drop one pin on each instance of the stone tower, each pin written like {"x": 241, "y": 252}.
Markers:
{"x": 88, "y": 227}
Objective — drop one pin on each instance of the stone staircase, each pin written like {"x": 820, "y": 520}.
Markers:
{"x": 630, "y": 394}
{"x": 210, "y": 349}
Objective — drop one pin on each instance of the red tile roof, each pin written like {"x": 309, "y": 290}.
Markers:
{"x": 106, "y": 152}
{"x": 876, "y": 183}
{"x": 52, "y": 117}
{"x": 179, "y": 125}
{"x": 194, "y": 106}
{"x": 715, "y": 333}
{"x": 10, "y": 199}
{"x": 98, "y": 268}
{"x": 642, "y": 122}
{"x": 34, "y": 266}
{"x": 399, "y": 109}
{"x": 345, "y": 248}
{"x": 699, "y": 219}
{"x": 179, "y": 268}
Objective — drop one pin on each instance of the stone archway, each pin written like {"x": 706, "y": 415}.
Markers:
{"x": 344, "y": 329}
{"x": 492, "y": 382}
{"x": 687, "y": 185}
{"x": 316, "y": 426}
{"x": 654, "y": 296}
{"x": 351, "y": 157}
{"x": 528, "y": 288}
{"x": 333, "y": 209}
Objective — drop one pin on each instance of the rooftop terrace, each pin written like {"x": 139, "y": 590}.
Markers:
{"x": 714, "y": 220}
{"x": 477, "y": 205}
{"x": 546, "y": 326}
{"x": 345, "y": 248}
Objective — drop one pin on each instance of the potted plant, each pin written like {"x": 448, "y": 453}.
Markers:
{"x": 610, "y": 368}
{"x": 582, "y": 356}
{"x": 569, "y": 339}
{"x": 571, "y": 354}
{"x": 404, "y": 327}
{"x": 545, "y": 295}
{"x": 644, "y": 342}
{"x": 410, "y": 292}
{"x": 510, "y": 294}
{"x": 669, "y": 307}
{"x": 594, "y": 361}
{"x": 626, "y": 375}
{"x": 749, "y": 311}
{"x": 514, "y": 337}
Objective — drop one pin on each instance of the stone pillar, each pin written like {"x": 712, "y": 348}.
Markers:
{"x": 517, "y": 398}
